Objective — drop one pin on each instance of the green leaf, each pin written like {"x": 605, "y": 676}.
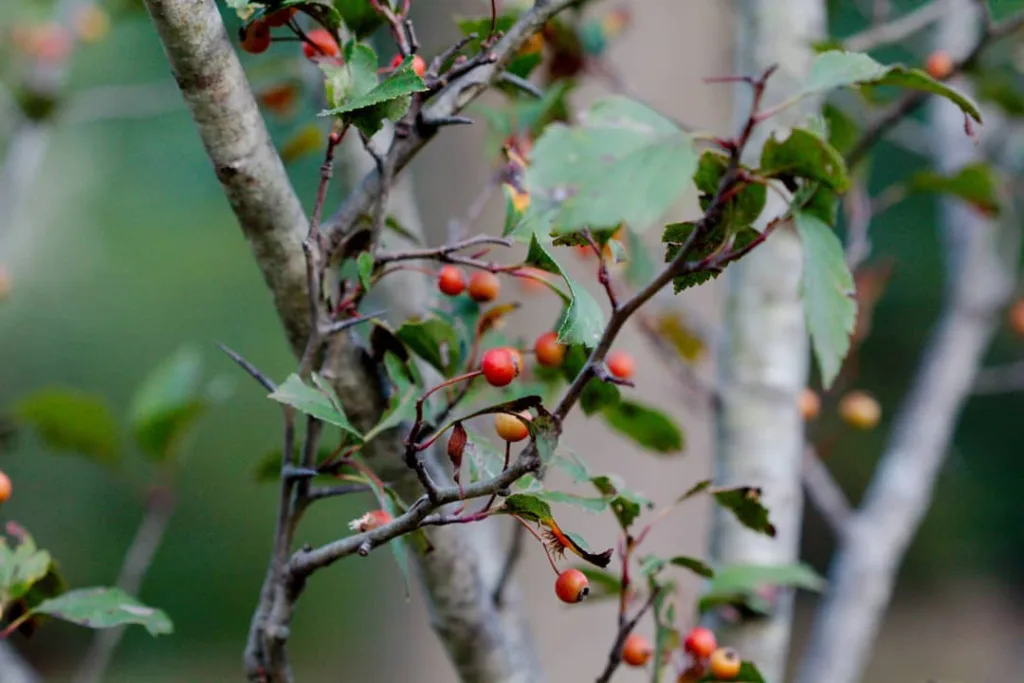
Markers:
{"x": 352, "y": 79}
{"x": 528, "y": 506}
{"x": 105, "y": 608}
{"x": 695, "y": 565}
{"x": 842, "y": 130}
{"x": 603, "y": 584}
{"x": 640, "y": 266}
{"x": 739, "y": 584}
{"x": 71, "y": 421}
{"x": 827, "y": 289}
{"x": 745, "y": 503}
{"x": 623, "y": 163}
{"x": 975, "y": 184}
{"x": 703, "y": 246}
{"x": 626, "y": 505}
{"x": 838, "y": 69}
{"x": 359, "y": 16}
{"x": 364, "y": 266}
{"x": 804, "y": 155}
{"x": 582, "y": 502}
{"x": 322, "y": 403}
{"x": 597, "y": 395}
{"x": 650, "y": 428}
{"x": 168, "y": 404}
{"x": 582, "y": 321}
{"x": 521, "y": 64}
{"x": 743, "y": 208}
{"x": 435, "y": 341}
{"x": 21, "y": 567}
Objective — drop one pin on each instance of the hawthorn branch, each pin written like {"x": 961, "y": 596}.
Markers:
{"x": 625, "y": 628}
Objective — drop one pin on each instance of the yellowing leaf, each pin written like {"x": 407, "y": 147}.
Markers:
{"x": 305, "y": 140}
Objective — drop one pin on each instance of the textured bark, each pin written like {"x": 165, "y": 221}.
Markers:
{"x": 764, "y": 354}
{"x": 488, "y": 645}
{"x": 980, "y": 254}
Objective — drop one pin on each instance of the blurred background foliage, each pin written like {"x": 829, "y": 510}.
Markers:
{"x": 128, "y": 250}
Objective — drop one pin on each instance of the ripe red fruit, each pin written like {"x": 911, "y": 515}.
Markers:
{"x": 548, "y": 351}
{"x": 5, "y": 487}
{"x": 637, "y": 650}
{"x": 517, "y": 358}
{"x": 257, "y": 37}
{"x": 572, "y": 586}
{"x": 324, "y": 45}
{"x": 620, "y": 364}
{"x": 700, "y": 642}
{"x": 451, "y": 280}
{"x": 499, "y": 367}
{"x": 511, "y": 427}
{"x": 939, "y": 65}
{"x": 419, "y": 65}
{"x": 281, "y": 16}
{"x": 484, "y": 286}
{"x": 725, "y": 664}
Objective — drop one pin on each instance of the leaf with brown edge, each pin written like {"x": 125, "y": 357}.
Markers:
{"x": 529, "y": 507}
{"x": 491, "y": 318}
{"x": 745, "y": 503}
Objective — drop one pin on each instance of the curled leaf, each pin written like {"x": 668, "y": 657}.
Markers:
{"x": 457, "y": 445}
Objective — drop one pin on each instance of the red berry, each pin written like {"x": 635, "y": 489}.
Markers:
{"x": 257, "y": 37}
{"x": 281, "y": 16}
{"x": 451, "y": 280}
{"x": 5, "y": 487}
{"x": 499, "y": 367}
{"x": 419, "y": 66}
{"x": 323, "y": 45}
{"x": 939, "y": 65}
{"x": 511, "y": 427}
{"x": 620, "y": 364}
{"x": 700, "y": 642}
{"x": 548, "y": 351}
{"x": 725, "y": 664}
{"x": 484, "y": 286}
{"x": 572, "y": 586}
{"x": 637, "y": 650}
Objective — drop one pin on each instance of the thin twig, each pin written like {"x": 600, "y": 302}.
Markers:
{"x": 249, "y": 368}
{"x": 897, "y": 30}
{"x": 823, "y": 490}
{"x": 441, "y": 253}
{"x": 515, "y": 551}
{"x": 615, "y": 655}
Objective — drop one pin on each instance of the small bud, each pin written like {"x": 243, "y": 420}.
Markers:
{"x": 370, "y": 521}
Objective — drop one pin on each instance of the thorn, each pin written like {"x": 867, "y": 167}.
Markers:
{"x": 249, "y": 368}
{"x": 520, "y": 83}
{"x": 291, "y": 472}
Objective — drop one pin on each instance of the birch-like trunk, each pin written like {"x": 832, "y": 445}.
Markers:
{"x": 763, "y": 360}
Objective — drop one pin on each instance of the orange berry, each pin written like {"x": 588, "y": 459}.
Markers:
{"x": 810, "y": 404}
{"x": 451, "y": 280}
{"x": 637, "y": 650}
{"x": 281, "y": 16}
{"x": 323, "y": 45}
{"x": 700, "y": 642}
{"x": 499, "y": 367}
{"x": 725, "y": 664}
{"x": 939, "y": 65}
{"x": 620, "y": 364}
{"x": 256, "y": 38}
{"x": 419, "y": 65}
{"x": 572, "y": 586}
{"x": 859, "y": 409}
{"x": 548, "y": 351}
{"x": 517, "y": 358}
{"x": 5, "y": 487}
{"x": 511, "y": 427}
{"x": 484, "y": 286}
{"x": 1017, "y": 317}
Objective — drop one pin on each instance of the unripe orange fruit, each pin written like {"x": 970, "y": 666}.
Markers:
{"x": 324, "y": 45}
{"x": 451, "y": 280}
{"x": 511, "y": 427}
{"x": 700, "y": 642}
{"x": 860, "y": 410}
{"x": 548, "y": 351}
{"x": 725, "y": 664}
{"x": 281, "y": 16}
{"x": 939, "y": 65}
{"x": 1017, "y": 317}
{"x": 620, "y": 364}
{"x": 810, "y": 404}
{"x": 257, "y": 37}
{"x": 419, "y": 65}
{"x": 5, "y": 487}
{"x": 572, "y": 586}
{"x": 484, "y": 286}
{"x": 499, "y": 367}
{"x": 637, "y": 650}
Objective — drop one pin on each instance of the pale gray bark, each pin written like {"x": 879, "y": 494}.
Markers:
{"x": 763, "y": 356}
{"x": 980, "y": 265}
{"x": 488, "y": 645}
{"x": 13, "y": 669}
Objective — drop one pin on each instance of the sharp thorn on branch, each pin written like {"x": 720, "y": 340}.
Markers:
{"x": 521, "y": 83}
{"x": 264, "y": 381}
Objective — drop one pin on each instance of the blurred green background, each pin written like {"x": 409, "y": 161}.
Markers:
{"x": 128, "y": 250}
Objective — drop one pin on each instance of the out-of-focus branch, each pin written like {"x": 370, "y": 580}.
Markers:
{"x": 898, "y": 29}
{"x": 824, "y": 492}
{"x": 14, "y": 669}
{"x": 980, "y": 279}
{"x": 107, "y": 102}
{"x": 1000, "y": 380}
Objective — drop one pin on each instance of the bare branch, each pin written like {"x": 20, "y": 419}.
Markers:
{"x": 1000, "y": 380}
{"x": 824, "y": 493}
{"x": 897, "y": 30}
{"x": 251, "y": 369}
{"x": 615, "y": 655}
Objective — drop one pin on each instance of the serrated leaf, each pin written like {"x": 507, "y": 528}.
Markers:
{"x": 704, "y": 246}
{"x": 387, "y": 100}
{"x": 623, "y": 164}
{"x": 105, "y": 608}
{"x": 743, "y": 207}
{"x": 582, "y": 320}
{"x": 837, "y": 69}
{"x": 168, "y": 403}
{"x": 827, "y": 289}
{"x": 650, "y": 428}
{"x": 521, "y": 64}
{"x": 745, "y": 504}
{"x": 975, "y": 184}
{"x": 434, "y": 340}
{"x": 739, "y": 584}
{"x": 71, "y": 421}
{"x": 359, "y": 16}
{"x": 804, "y": 155}
{"x": 320, "y": 403}
{"x": 364, "y": 268}
{"x": 20, "y": 567}
{"x": 626, "y": 505}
